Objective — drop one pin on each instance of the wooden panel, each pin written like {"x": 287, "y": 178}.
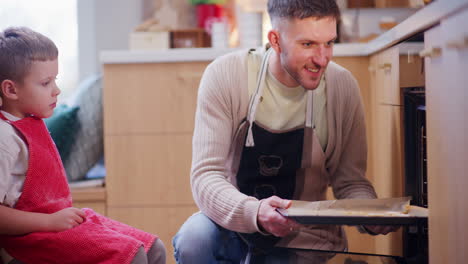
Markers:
{"x": 358, "y": 66}
{"x": 455, "y": 138}
{"x": 385, "y": 162}
{"x": 371, "y": 114}
{"x": 94, "y": 198}
{"x": 395, "y": 71}
{"x": 89, "y": 194}
{"x": 361, "y": 4}
{"x": 447, "y": 143}
{"x": 387, "y": 88}
{"x": 411, "y": 71}
{"x": 391, "y": 3}
{"x": 148, "y": 169}
{"x": 388, "y": 180}
{"x": 150, "y": 98}
{"x": 162, "y": 221}
{"x": 99, "y": 207}
{"x": 438, "y": 154}
{"x": 358, "y": 242}
{"x": 389, "y": 168}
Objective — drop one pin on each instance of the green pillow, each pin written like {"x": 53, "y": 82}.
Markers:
{"x": 62, "y": 126}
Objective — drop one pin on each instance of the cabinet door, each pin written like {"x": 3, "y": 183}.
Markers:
{"x": 388, "y": 178}
{"x": 388, "y": 167}
{"x": 149, "y": 114}
{"x": 385, "y": 162}
{"x": 151, "y": 98}
{"x": 386, "y": 146}
{"x": 149, "y": 169}
{"x": 387, "y": 70}
{"x": 446, "y": 81}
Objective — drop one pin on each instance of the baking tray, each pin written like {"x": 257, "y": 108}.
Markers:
{"x": 390, "y": 211}
{"x": 355, "y": 220}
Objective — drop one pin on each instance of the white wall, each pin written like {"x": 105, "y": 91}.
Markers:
{"x": 104, "y": 25}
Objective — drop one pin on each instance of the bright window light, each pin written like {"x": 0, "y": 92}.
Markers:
{"x": 56, "y": 19}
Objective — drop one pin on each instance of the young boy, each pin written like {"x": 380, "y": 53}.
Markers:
{"x": 37, "y": 221}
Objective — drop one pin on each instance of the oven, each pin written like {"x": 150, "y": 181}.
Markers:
{"x": 415, "y": 238}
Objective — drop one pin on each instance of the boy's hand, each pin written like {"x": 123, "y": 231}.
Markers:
{"x": 65, "y": 219}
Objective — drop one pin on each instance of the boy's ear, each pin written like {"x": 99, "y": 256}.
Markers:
{"x": 9, "y": 89}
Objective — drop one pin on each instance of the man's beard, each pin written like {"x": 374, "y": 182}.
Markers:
{"x": 297, "y": 77}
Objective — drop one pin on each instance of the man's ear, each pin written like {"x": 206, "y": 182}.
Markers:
{"x": 9, "y": 91}
{"x": 273, "y": 38}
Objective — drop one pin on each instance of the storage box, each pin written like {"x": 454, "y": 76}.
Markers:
{"x": 190, "y": 38}
{"x": 361, "y": 3}
{"x": 149, "y": 40}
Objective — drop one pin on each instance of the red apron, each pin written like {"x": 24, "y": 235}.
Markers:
{"x": 97, "y": 240}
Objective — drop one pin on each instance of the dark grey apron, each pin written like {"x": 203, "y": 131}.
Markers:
{"x": 289, "y": 164}
{"x": 270, "y": 160}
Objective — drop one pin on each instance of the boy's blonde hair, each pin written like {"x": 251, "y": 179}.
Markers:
{"x": 19, "y": 47}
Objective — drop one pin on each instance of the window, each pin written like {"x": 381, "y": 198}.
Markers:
{"x": 56, "y": 19}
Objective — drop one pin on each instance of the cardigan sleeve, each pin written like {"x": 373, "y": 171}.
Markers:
{"x": 212, "y": 190}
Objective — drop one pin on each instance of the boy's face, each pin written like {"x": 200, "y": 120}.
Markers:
{"x": 37, "y": 95}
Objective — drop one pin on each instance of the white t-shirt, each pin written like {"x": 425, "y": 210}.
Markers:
{"x": 283, "y": 107}
{"x": 14, "y": 157}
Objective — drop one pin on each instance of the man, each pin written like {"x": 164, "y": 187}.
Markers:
{"x": 271, "y": 126}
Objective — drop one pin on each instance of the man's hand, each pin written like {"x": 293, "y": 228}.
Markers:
{"x": 380, "y": 229}
{"x": 273, "y": 222}
{"x": 65, "y": 219}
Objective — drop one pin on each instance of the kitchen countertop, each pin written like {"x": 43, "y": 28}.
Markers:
{"x": 424, "y": 18}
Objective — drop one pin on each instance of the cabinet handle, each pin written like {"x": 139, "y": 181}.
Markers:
{"x": 385, "y": 66}
{"x": 431, "y": 52}
{"x": 462, "y": 44}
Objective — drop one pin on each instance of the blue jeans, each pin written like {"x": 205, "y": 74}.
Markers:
{"x": 201, "y": 240}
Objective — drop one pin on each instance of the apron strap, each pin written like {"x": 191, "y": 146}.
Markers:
{"x": 309, "y": 108}
{"x": 256, "y": 98}
{"x": 249, "y": 142}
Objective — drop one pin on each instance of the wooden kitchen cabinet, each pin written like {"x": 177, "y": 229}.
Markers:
{"x": 381, "y": 78}
{"x": 395, "y": 68}
{"x": 390, "y": 71}
{"x": 446, "y": 61}
{"x": 149, "y": 111}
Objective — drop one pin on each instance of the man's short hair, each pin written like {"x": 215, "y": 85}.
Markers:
{"x": 300, "y": 9}
{"x": 19, "y": 48}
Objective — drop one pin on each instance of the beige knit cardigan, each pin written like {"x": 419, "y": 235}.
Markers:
{"x": 222, "y": 105}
